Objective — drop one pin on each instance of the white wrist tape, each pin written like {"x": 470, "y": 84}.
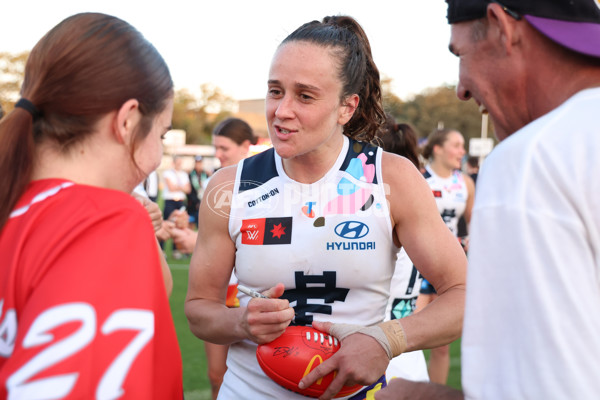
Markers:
{"x": 390, "y": 335}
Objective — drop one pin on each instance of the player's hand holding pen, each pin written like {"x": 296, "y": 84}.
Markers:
{"x": 180, "y": 217}
{"x": 251, "y": 292}
{"x": 266, "y": 316}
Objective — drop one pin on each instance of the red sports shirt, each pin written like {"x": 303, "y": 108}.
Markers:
{"x": 83, "y": 308}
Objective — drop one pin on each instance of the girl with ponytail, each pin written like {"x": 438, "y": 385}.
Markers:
{"x": 80, "y": 262}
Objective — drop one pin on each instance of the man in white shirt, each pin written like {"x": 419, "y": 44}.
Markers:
{"x": 177, "y": 187}
{"x": 532, "y": 319}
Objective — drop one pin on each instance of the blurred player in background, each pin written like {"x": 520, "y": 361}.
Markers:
{"x": 454, "y": 193}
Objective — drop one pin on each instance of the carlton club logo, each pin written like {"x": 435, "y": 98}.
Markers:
{"x": 264, "y": 231}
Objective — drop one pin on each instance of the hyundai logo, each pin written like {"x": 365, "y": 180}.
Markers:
{"x": 351, "y": 230}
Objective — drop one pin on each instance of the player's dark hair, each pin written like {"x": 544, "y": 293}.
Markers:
{"x": 235, "y": 129}
{"x": 400, "y": 139}
{"x": 85, "y": 67}
{"x": 357, "y": 70}
{"x": 435, "y": 138}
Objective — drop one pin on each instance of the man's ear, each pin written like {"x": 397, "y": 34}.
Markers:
{"x": 127, "y": 118}
{"x": 505, "y": 26}
{"x": 348, "y": 108}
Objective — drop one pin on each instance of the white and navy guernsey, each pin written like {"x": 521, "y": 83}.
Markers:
{"x": 330, "y": 243}
{"x": 450, "y": 196}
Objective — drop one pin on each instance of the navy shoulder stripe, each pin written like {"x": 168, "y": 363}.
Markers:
{"x": 257, "y": 170}
{"x": 355, "y": 148}
{"x": 426, "y": 174}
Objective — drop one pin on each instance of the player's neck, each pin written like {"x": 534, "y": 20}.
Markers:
{"x": 84, "y": 164}
{"x": 440, "y": 169}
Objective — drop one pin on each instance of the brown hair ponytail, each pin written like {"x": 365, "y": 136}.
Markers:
{"x": 85, "y": 67}
{"x": 357, "y": 70}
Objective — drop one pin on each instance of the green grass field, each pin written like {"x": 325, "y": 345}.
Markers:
{"x": 195, "y": 381}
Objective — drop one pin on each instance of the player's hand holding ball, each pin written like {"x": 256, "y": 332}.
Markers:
{"x": 363, "y": 356}
{"x": 291, "y": 356}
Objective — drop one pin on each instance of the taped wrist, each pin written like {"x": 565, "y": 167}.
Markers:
{"x": 340, "y": 331}
{"x": 396, "y": 338}
{"x": 389, "y": 334}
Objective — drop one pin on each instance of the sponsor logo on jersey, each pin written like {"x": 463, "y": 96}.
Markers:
{"x": 263, "y": 231}
{"x": 350, "y": 245}
{"x": 309, "y": 209}
{"x": 263, "y": 197}
{"x": 352, "y": 230}
{"x": 437, "y": 194}
{"x": 314, "y": 362}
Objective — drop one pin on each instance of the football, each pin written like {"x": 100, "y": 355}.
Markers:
{"x": 291, "y": 356}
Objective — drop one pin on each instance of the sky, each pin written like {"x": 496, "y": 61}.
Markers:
{"x": 230, "y": 43}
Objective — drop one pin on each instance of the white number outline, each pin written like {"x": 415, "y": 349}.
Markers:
{"x": 8, "y": 330}
{"x": 110, "y": 385}
{"x": 57, "y": 386}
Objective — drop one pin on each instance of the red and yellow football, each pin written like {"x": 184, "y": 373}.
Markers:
{"x": 290, "y": 357}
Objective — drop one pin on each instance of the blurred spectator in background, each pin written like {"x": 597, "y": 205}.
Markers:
{"x": 176, "y": 188}
{"x": 473, "y": 167}
{"x": 198, "y": 177}
{"x": 151, "y": 186}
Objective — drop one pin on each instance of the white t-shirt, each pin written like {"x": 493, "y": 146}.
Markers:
{"x": 532, "y": 321}
{"x": 152, "y": 184}
{"x": 177, "y": 177}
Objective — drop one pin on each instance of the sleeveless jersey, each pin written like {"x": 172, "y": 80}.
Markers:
{"x": 330, "y": 244}
{"x": 450, "y": 196}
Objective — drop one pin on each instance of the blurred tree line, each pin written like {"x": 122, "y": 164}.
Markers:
{"x": 433, "y": 108}
{"x": 12, "y": 67}
{"x": 198, "y": 113}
